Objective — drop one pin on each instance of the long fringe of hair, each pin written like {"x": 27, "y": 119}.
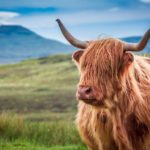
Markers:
{"x": 129, "y": 95}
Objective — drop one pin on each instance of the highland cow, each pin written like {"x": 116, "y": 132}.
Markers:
{"x": 113, "y": 93}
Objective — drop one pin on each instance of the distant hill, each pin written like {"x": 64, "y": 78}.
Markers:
{"x": 18, "y": 43}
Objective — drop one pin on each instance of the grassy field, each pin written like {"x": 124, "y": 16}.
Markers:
{"x": 40, "y": 84}
{"x": 16, "y": 133}
{"x": 38, "y": 106}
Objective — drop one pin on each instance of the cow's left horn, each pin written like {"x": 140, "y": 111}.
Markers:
{"x": 139, "y": 46}
{"x": 75, "y": 42}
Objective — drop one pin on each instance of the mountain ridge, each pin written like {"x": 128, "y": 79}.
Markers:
{"x": 18, "y": 43}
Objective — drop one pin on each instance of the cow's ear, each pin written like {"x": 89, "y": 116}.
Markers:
{"x": 126, "y": 62}
{"x": 76, "y": 55}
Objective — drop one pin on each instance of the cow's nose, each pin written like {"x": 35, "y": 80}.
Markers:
{"x": 84, "y": 92}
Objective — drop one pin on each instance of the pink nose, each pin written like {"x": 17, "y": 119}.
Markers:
{"x": 84, "y": 93}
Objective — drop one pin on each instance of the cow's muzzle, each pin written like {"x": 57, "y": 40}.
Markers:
{"x": 85, "y": 93}
{"x": 89, "y": 95}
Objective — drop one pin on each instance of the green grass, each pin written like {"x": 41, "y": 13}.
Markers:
{"x": 39, "y": 84}
{"x": 38, "y": 106}
{"x": 26, "y": 145}
{"x": 16, "y": 132}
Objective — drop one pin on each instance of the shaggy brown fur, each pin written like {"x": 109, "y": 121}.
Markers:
{"x": 119, "y": 117}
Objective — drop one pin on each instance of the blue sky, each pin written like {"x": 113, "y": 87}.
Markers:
{"x": 86, "y": 19}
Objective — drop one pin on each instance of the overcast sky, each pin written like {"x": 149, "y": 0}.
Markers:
{"x": 86, "y": 19}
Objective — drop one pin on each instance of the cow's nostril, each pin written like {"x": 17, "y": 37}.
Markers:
{"x": 88, "y": 90}
{"x": 85, "y": 93}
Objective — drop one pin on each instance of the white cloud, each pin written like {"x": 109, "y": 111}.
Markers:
{"x": 145, "y": 1}
{"x": 45, "y": 24}
{"x": 5, "y": 17}
{"x": 5, "y": 14}
{"x": 115, "y": 15}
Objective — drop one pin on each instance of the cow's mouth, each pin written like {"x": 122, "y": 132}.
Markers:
{"x": 91, "y": 101}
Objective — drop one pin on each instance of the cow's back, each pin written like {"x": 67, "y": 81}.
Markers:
{"x": 142, "y": 76}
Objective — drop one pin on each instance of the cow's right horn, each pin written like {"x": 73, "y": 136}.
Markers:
{"x": 72, "y": 40}
{"x": 139, "y": 46}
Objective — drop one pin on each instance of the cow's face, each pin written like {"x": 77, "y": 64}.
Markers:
{"x": 101, "y": 66}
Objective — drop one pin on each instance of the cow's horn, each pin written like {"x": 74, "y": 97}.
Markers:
{"x": 139, "y": 46}
{"x": 75, "y": 42}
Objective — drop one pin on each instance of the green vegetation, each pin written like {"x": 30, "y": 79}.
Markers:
{"x": 24, "y": 145}
{"x": 38, "y": 106}
{"x": 40, "y": 84}
{"x": 16, "y": 133}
